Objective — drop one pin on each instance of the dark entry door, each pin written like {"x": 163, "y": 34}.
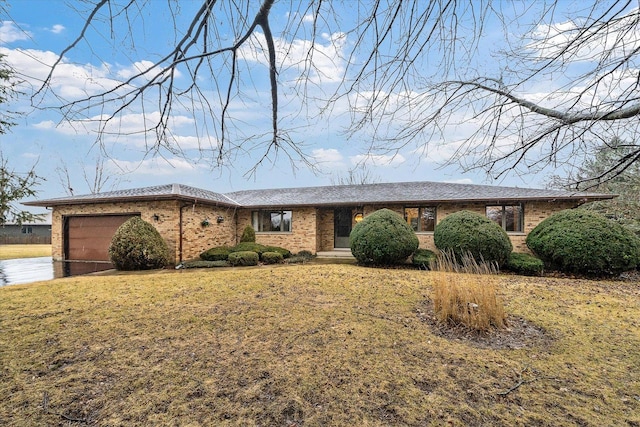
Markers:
{"x": 341, "y": 227}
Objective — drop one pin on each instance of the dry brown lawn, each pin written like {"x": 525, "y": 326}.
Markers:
{"x": 24, "y": 251}
{"x": 313, "y": 345}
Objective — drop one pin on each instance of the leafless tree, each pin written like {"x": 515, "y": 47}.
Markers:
{"x": 96, "y": 179}
{"x": 383, "y": 78}
{"x": 355, "y": 176}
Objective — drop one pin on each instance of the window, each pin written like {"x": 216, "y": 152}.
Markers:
{"x": 509, "y": 217}
{"x": 265, "y": 221}
{"x": 27, "y": 230}
{"x": 421, "y": 219}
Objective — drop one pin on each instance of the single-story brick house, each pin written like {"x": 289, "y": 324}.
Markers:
{"x": 316, "y": 219}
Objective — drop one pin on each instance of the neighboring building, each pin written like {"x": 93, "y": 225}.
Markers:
{"x": 37, "y": 232}
{"x": 316, "y": 219}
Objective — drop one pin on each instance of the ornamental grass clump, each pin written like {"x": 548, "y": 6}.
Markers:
{"x": 469, "y": 300}
{"x": 137, "y": 245}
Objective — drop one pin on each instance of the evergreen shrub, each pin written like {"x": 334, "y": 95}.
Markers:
{"x": 579, "y": 241}
{"x": 383, "y": 238}
{"x": 137, "y": 245}
{"x": 525, "y": 264}
{"x": 422, "y": 258}
{"x": 464, "y": 233}
{"x": 272, "y": 257}
{"x": 243, "y": 258}
{"x": 248, "y": 235}
{"x": 218, "y": 253}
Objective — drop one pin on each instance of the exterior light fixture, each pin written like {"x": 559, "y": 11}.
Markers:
{"x": 359, "y": 217}
{"x": 156, "y": 217}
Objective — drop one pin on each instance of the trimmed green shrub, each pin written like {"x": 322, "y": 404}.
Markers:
{"x": 205, "y": 264}
{"x": 248, "y": 235}
{"x": 249, "y": 246}
{"x": 286, "y": 253}
{"x": 525, "y": 264}
{"x": 218, "y": 253}
{"x": 422, "y": 258}
{"x": 301, "y": 257}
{"x": 383, "y": 238}
{"x": 137, "y": 245}
{"x": 579, "y": 241}
{"x": 305, "y": 254}
{"x": 243, "y": 258}
{"x": 272, "y": 257}
{"x": 467, "y": 232}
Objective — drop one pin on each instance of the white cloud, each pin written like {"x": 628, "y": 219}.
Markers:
{"x": 620, "y": 37}
{"x": 327, "y": 59}
{"x": 10, "y": 33}
{"x": 328, "y": 155}
{"x": 308, "y": 18}
{"x": 460, "y": 181}
{"x": 57, "y": 29}
{"x": 377, "y": 159}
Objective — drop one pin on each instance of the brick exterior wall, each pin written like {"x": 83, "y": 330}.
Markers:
{"x": 534, "y": 213}
{"x": 303, "y": 235}
{"x": 196, "y": 238}
{"x": 312, "y": 228}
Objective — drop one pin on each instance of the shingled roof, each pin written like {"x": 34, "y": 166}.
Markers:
{"x": 159, "y": 192}
{"x": 386, "y": 193}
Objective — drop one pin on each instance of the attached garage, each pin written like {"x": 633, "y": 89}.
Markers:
{"x": 87, "y": 238}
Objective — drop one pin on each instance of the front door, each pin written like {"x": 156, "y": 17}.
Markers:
{"x": 341, "y": 227}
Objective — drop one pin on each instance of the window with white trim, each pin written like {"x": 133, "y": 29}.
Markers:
{"x": 509, "y": 217}
{"x": 271, "y": 221}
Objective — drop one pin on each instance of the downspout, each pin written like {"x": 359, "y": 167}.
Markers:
{"x": 180, "y": 230}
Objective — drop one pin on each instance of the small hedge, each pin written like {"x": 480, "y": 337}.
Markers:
{"x": 422, "y": 258}
{"x": 218, "y": 253}
{"x": 243, "y": 258}
{"x": 286, "y": 253}
{"x": 205, "y": 264}
{"x": 579, "y": 241}
{"x": 272, "y": 257}
{"x": 249, "y": 246}
{"x": 525, "y": 264}
{"x": 467, "y": 232}
{"x": 383, "y": 238}
{"x": 137, "y": 245}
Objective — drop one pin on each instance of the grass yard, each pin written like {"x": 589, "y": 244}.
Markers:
{"x": 24, "y": 251}
{"x": 313, "y": 345}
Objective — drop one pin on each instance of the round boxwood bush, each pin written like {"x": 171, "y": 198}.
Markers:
{"x": 243, "y": 258}
{"x": 137, "y": 245}
{"x": 218, "y": 253}
{"x": 525, "y": 264}
{"x": 382, "y": 238}
{"x": 272, "y": 257}
{"x": 248, "y": 235}
{"x": 286, "y": 253}
{"x": 579, "y": 241}
{"x": 467, "y": 232}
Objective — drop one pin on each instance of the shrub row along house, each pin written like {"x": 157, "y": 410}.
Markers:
{"x": 315, "y": 219}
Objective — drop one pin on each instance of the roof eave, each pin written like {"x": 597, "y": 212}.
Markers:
{"x": 167, "y": 197}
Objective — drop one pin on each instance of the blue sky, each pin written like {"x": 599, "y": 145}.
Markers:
{"x": 36, "y": 31}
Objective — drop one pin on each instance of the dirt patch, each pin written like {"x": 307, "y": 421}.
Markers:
{"x": 519, "y": 333}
